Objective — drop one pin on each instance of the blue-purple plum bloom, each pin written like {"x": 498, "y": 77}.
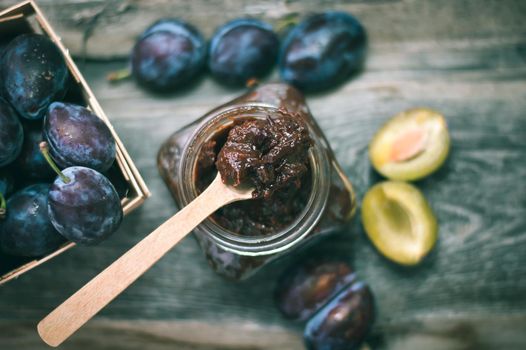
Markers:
{"x": 242, "y": 49}
{"x": 26, "y": 229}
{"x": 76, "y": 136}
{"x": 168, "y": 55}
{"x": 11, "y": 134}
{"x": 31, "y": 164}
{"x": 323, "y": 51}
{"x": 34, "y": 74}
{"x": 86, "y": 209}
{"x": 7, "y": 183}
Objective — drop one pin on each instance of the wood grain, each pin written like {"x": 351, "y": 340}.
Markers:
{"x": 104, "y": 29}
{"x": 78, "y": 309}
{"x": 462, "y": 58}
{"x": 449, "y": 332}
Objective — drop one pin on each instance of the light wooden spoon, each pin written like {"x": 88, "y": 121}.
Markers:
{"x": 101, "y": 290}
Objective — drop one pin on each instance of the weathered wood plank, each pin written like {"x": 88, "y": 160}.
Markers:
{"x": 110, "y": 26}
{"x": 156, "y": 335}
{"x": 450, "y": 332}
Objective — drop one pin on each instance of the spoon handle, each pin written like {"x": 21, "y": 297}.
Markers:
{"x": 103, "y": 288}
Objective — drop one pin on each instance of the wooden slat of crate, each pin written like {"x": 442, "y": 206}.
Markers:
{"x": 139, "y": 191}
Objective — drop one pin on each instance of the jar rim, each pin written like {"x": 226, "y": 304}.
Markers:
{"x": 255, "y": 245}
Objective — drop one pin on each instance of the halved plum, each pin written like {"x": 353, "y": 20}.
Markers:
{"x": 411, "y": 145}
{"x": 399, "y": 222}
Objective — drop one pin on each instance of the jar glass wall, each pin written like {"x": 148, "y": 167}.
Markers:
{"x": 330, "y": 205}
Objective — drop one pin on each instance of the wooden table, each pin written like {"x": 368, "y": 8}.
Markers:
{"x": 466, "y": 59}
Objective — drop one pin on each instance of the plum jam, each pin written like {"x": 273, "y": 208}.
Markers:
{"x": 269, "y": 154}
{"x": 269, "y": 137}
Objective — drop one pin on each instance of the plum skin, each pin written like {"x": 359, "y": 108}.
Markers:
{"x": 11, "y": 134}
{"x": 26, "y": 229}
{"x": 242, "y": 49}
{"x": 114, "y": 174}
{"x": 344, "y": 322}
{"x": 322, "y": 51}
{"x": 85, "y": 210}
{"x": 302, "y": 290}
{"x": 31, "y": 164}
{"x": 35, "y": 74}
{"x": 76, "y": 136}
{"x": 6, "y": 182}
{"x": 168, "y": 55}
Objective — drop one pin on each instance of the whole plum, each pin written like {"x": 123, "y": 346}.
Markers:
{"x": 11, "y": 134}
{"x": 242, "y": 49}
{"x": 84, "y": 206}
{"x": 322, "y": 51}
{"x": 26, "y": 229}
{"x": 76, "y": 136}
{"x": 168, "y": 55}
{"x": 344, "y": 322}
{"x": 304, "y": 289}
{"x": 31, "y": 164}
{"x": 35, "y": 74}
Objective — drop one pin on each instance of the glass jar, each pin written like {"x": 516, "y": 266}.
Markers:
{"x": 330, "y": 205}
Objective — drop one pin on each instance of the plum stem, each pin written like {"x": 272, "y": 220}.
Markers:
{"x": 2, "y": 206}
{"x": 44, "y": 149}
{"x": 119, "y": 75}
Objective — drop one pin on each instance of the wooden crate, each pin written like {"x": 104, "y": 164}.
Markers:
{"x": 27, "y": 17}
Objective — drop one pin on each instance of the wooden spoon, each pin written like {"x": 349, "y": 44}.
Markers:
{"x": 101, "y": 290}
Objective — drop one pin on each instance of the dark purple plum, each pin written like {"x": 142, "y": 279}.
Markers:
{"x": 168, "y": 55}
{"x": 76, "y": 136}
{"x": 2, "y": 50}
{"x": 7, "y": 182}
{"x": 7, "y": 185}
{"x": 35, "y": 74}
{"x": 31, "y": 164}
{"x": 84, "y": 206}
{"x": 323, "y": 51}
{"x": 241, "y": 50}
{"x": 114, "y": 174}
{"x": 11, "y": 134}
{"x": 344, "y": 322}
{"x": 26, "y": 229}
{"x": 304, "y": 289}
